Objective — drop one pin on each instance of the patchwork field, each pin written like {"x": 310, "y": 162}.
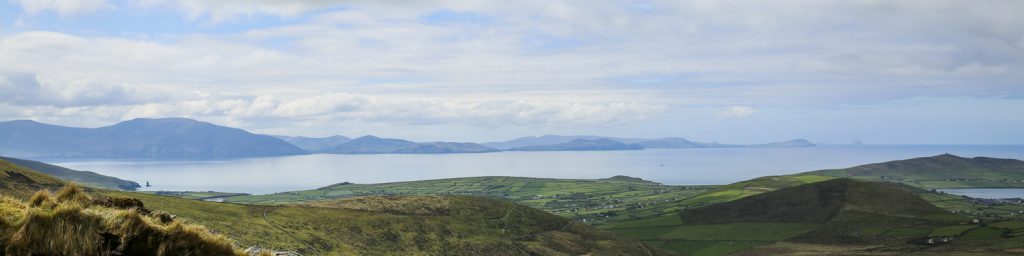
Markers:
{"x": 599, "y": 201}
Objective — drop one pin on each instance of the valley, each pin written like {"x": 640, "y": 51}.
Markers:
{"x": 826, "y": 211}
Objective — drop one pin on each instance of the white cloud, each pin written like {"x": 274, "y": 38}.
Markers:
{"x": 27, "y": 90}
{"x": 224, "y": 10}
{"x": 737, "y": 111}
{"x": 62, "y": 7}
{"x": 402, "y": 110}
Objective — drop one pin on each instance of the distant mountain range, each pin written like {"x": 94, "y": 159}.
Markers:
{"x": 169, "y": 138}
{"x": 315, "y": 144}
{"x": 181, "y": 138}
{"x": 670, "y": 142}
{"x": 376, "y": 145}
{"x": 583, "y": 145}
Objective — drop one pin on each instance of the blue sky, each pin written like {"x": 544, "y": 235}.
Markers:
{"x": 894, "y": 72}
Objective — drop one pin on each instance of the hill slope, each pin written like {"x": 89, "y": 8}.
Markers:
{"x": 169, "y": 138}
{"x": 816, "y": 202}
{"x": 941, "y": 171}
{"x": 82, "y": 177}
{"x": 21, "y": 182}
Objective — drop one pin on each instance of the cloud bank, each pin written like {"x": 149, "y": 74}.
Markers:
{"x": 488, "y": 64}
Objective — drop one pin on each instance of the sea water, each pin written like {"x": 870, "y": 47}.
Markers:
{"x": 669, "y": 166}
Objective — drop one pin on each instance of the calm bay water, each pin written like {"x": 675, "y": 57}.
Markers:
{"x": 988, "y": 193}
{"x": 670, "y": 166}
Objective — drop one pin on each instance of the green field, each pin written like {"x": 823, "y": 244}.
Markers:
{"x": 596, "y": 202}
{"x": 710, "y": 248}
{"x": 951, "y": 230}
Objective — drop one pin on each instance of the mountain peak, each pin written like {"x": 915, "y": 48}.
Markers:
{"x": 368, "y": 137}
{"x": 22, "y": 121}
{"x": 163, "y": 120}
{"x": 948, "y": 155}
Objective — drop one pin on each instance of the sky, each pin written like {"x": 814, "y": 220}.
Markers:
{"x": 882, "y": 72}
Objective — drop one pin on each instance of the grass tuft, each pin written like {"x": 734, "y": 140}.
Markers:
{"x": 73, "y": 193}
{"x": 72, "y": 223}
{"x": 42, "y": 198}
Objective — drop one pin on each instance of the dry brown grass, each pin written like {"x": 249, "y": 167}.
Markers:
{"x": 72, "y": 223}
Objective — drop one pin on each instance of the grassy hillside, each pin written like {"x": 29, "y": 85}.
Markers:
{"x": 91, "y": 179}
{"x": 942, "y": 171}
{"x": 20, "y": 182}
{"x": 832, "y": 216}
{"x": 592, "y": 201}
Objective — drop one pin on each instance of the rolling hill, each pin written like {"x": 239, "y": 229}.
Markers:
{"x": 941, "y": 171}
{"x": 169, "y": 138}
{"x": 816, "y": 202}
{"x": 87, "y": 178}
{"x": 597, "y": 201}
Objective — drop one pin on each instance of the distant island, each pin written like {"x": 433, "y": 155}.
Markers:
{"x": 182, "y": 138}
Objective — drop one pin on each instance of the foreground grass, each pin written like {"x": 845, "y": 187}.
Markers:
{"x": 74, "y": 223}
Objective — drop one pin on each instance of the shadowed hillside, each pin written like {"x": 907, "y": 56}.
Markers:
{"x": 941, "y": 171}
{"x": 814, "y": 203}
{"x": 21, "y": 182}
{"x": 91, "y": 179}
